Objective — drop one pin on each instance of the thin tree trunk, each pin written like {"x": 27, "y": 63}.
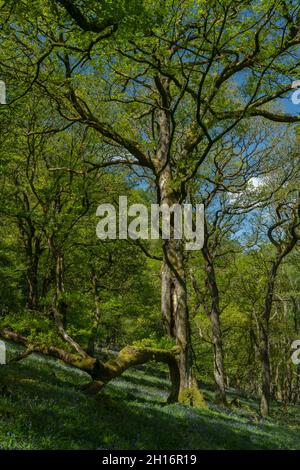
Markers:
{"x": 96, "y": 319}
{"x": 266, "y": 372}
{"x": 32, "y": 283}
{"x": 214, "y": 316}
{"x": 58, "y": 304}
{"x": 283, "y": 248}
{"x": 33, "y": 252}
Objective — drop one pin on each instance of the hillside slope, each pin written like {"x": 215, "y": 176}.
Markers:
{"x": 41, "y": 408}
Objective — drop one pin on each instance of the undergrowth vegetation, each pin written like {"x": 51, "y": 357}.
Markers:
{"x": 41, "y": 407}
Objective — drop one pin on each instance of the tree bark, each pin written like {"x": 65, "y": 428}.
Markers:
{"x": 174, "y": 300}
{"x": 266, "y": 373}
{"x": 103, "y": 373}
{"x": 264, "y": 338}
{"x": 58, "y": 304}
{"x": 97, "y": 315}
{"x": 32, "y": 276}
{"x": 176, "y": 317}
{"x": 130, "y": 357}
{"x": 283, "y": 248}
{"x": 33, "y": 250}
{"x": 214, "y": 316}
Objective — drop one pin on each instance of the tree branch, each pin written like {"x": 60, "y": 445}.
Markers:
{"x": 84, "y": 23}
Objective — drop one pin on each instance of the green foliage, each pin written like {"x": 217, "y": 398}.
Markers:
{"x": 88, "y": 114}
{"x": 153, "y": 341}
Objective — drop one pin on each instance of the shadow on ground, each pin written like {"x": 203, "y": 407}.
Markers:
{"x": 41, "y": 408}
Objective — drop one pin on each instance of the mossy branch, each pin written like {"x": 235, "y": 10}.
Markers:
{"x": 104, "y": 372}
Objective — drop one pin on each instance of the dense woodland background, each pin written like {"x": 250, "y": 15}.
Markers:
{"x": 172, "y": 102}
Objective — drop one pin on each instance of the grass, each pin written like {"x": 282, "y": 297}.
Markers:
{"x": 41, "y": 408}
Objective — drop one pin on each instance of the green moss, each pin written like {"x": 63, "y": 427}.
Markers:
{"x": 85, "y": 363}
{"x": 192, "y": 396}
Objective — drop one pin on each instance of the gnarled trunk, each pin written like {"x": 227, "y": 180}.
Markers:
{"x": 176, "y": 320}
{"x": 130, "y": 357}
{"x": 174, "y": 301}
{"x": 103, "y": 373}
{"x": 214, "y": 316}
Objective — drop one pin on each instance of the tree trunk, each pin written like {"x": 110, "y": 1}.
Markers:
{"x": 266, "y": 372}
{"x": 283, "y": 249}
{"x": 214, "y": 316}
{"x": 33, "y": 254}
{"x": 59, "y": 306}
{"x": 32, "y": 292}
{"x": 218, "y": 356}
{"x": 32, "y": 247}
{"x": 264, "y": 340}
{"x": 174, "y": 302}
{"x": 96, "y": 319}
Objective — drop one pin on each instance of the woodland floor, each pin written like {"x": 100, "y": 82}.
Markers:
{"x": 41, "y": 408}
